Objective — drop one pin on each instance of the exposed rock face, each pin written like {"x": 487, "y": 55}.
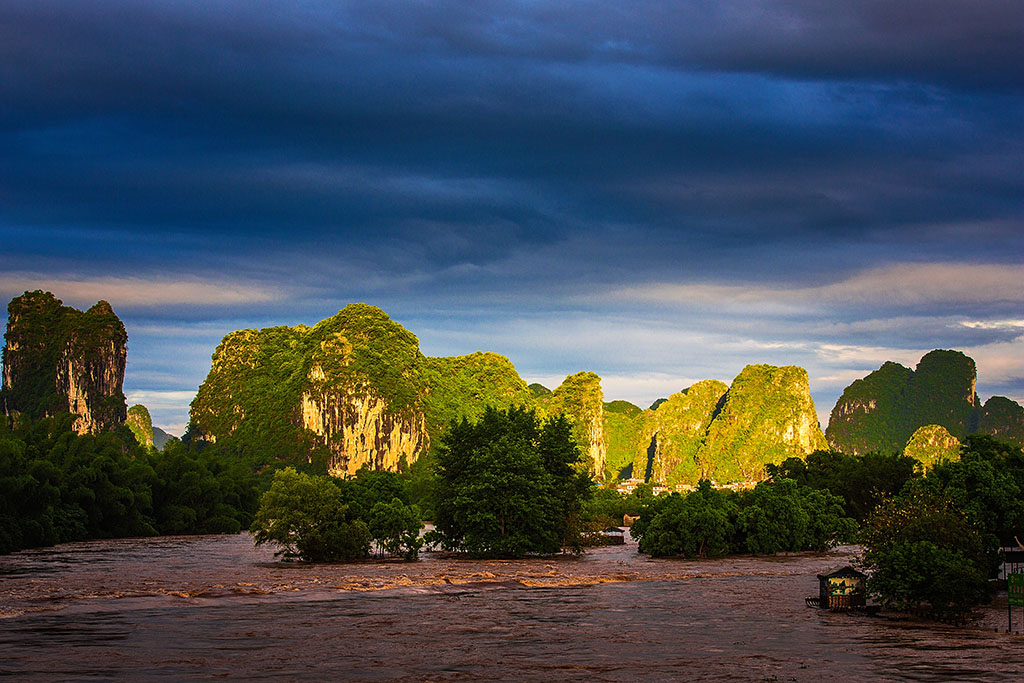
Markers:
{"x": 883, "y": 410}
{"x": 361, "y": 430}
{"x": 766, "y": 416}
{"x": 623, "y": 435}
{"x": 141, "y": 424}
{"x": 677, "y": 430}
{"x": 931, "y": 445}
{"x": 57, "y": 359}
{"x": 580, "y": 398}
{"x": 351, "y": 389}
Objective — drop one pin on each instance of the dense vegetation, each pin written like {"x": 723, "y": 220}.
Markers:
{"x": 461, "y": 386}
{"x": 58, "y": 486}
{"x": 509, "y": 485}
{"x": 862, "y": 482}
{"x": 937, "y": 542}
{"x": 776, "y": 516}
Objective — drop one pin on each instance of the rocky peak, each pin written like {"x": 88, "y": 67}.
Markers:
{"x": 141, "y": 424}
{"x": 883, "y": 410}
{"x": 57, "y": 358}
{"x": 1003, "y": 419}
{"x": 580, "y": 398}
{"x": 766, "y": 416}
{"x": 931, "y": 445}
{"x": 351, "y": 386}
{"x": 677, "y": 429}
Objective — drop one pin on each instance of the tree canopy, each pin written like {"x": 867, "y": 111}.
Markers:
{"x": 510, "y": 484}
{"x": 307, "y": 517}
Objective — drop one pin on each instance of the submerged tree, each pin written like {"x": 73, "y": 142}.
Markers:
{"x": 922, "y": 550}
{"x": 308, "y": 518}
{"x": 697, "y": 525}
{"x": 395, "y": 528}
{"x": 509, "y": 485}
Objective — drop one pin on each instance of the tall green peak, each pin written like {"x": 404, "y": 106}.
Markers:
{"x": 624, "y": 438}
{"x": 59, "y": 359}
{"x": 766, "y": 416}
{"x": 860, "y": 421}
{"x": 141, "y": 424}
{"x": 677, "y": 431}
{"x": 581, "y": 399}
{"x": 882, "y": 411}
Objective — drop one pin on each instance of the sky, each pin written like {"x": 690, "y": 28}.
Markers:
{"x": 657, "y": 192}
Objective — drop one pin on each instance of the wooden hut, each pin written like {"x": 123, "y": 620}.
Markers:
{"x": 841, "y": 588}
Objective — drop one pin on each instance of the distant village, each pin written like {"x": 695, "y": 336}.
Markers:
{"x": 628, "y": 486}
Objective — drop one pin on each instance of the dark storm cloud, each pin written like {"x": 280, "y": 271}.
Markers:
{"x": 975, "y": 44}
{"x": 754, "y": 169}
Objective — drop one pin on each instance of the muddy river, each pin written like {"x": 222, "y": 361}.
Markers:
{"x": 213, "y": 606}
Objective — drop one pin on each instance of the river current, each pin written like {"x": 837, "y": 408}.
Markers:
{"x": 213, "y": 606}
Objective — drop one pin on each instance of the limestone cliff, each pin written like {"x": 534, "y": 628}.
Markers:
{"x": 350, "y": 390}
{"x": 931, "y": 445}
{"x": 883, "y": 410}
{"x": 766, "y": 416}
{"x": 580, "y": 398}
{"x": 624, "y": 439}
{"x": 141, "y": 424}
{"x": 58, "y": 359}
{"x": 677, "y": 431}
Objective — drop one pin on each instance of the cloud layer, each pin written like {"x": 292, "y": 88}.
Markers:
{"x": 647, "y": 190}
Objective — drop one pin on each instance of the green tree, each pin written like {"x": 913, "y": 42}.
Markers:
{"x": 509, "y": 485}
{"x": 776, "y": 521}
{"x": 697, "y": 525}
{"x": 307, "y": 517}
{"x": 922, "y": 551}
{"x": 395, "y": 527}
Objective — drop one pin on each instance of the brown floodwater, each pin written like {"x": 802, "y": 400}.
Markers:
{"x": 213, "y": 606}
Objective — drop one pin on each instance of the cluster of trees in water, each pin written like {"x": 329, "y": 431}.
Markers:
{"x": 511, "y": 484}
{"x": 58, "y": 486}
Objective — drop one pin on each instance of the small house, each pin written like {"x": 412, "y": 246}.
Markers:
{"x": 841, "y": 588}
